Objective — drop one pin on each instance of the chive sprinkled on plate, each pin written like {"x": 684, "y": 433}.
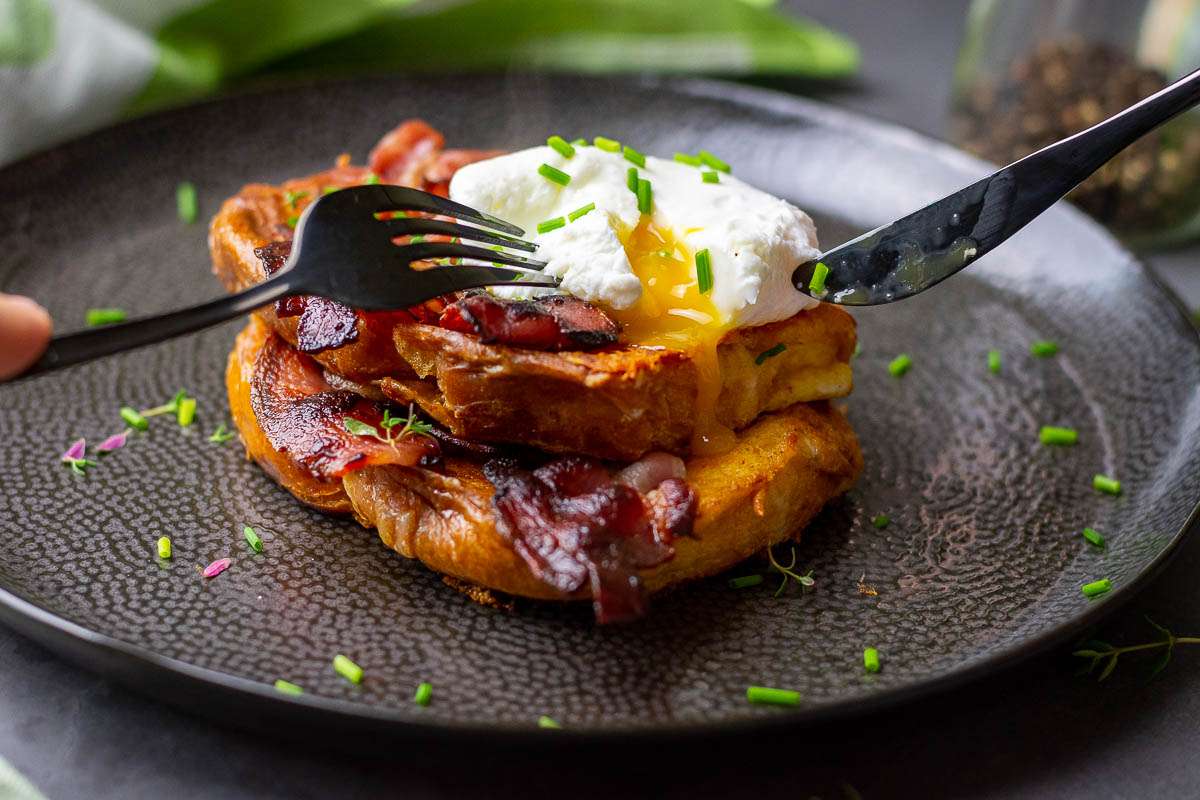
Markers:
{"x": 372, "y": 179}
{"x": 817, "y": 284}
{"x": 993, "y": 362}
{"x": 185, "y": 411}
{"x": 691, "y": 161}
{"x": 104, "y": 316}
{"x": 1093, "y": 536}
{"x": 745, "y": 581}
{"x": 554, "y": 175}
{"x": 548, "y": 722}
{"x": 423, "y": 694}
{"x": 900, "y": 365}
{"x": 709, "y": 160}
{"x": 163, "y": 546}
{"x": 252, "y": 538}
{"x": 1103, "y": 483}
{"x": 347, "y": 669}
{"x": 645, "y": 196}
{"x": 633, "y": 156}
{"x": 1043, "y": 349}
{"x": 606, "y": 144}
{"x": 287, "y": 687}
{"x": 871, "y": 659}
{"x": 221, "y": 435}
{"x": 1096, "y": 588}
{"x": 766, "y": 696}
{"x": 579, "y": 212}
{"x": 134, "y": 419}
{"x": 704, "y": 273}
{"x": 770, "y": 352}
{"x": 881, "y": 521}
{"x": 1051, "y": 434}
{"x": 185, "y": 202}
{"x": 631, "y": 179}
{"x": 562, "y": 146}
{"x": 551, "y": 224}
{"x": 710, "y": 177}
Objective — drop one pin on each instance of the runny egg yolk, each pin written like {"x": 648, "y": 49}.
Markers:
{"x": 672, "y": 313}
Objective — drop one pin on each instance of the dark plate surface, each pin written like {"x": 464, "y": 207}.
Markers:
{"x": 982, "y": 562}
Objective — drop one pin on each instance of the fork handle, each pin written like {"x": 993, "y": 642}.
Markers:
{"x": 75, "y": 348}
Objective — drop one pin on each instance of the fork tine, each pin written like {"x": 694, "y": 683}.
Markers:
{"x": 430, "y": 250}
{"x": 407, "y": 199}
{"x": 472, "y": 277}
{"x": 406, "y": 226}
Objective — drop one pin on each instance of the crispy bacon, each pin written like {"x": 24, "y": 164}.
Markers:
{"x": 404, "y": 153}
{"x": 552, "y": 322}
{"x": 572, "y": 522}
{"x": 302, "y": 415}
{"x": 442, "y": 168}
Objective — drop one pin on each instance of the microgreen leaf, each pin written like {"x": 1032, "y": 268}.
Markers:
{"x": 358, "y": 427}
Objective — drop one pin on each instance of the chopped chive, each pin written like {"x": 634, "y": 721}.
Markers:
{"x": 817, "y": 284}
{"x": 554, "y": 175}
{"x": 710, "y": 177}
{"x": 691, "y": 161}
{"x": 548, "y": 722}
{"x": 563, "y": 147}
{"x": 221, "y": 435}
{"x": 164, "y": 547}
{"x": 290, "y": 197}
{"x": 329, "y": 190}
{"x": 287, "y": 687}
{"x": 423, "y": 694}
{"x": 607, "y": 145}
{"x": 1043, "y": 349}
{"x": 1103, "y": 483}
{"x": 252, "y": 538}
{"x": 993, "y": 361}
{"x": 580, "y": 142}
{"x": 185, "y": 202}
{"x": 709, "y": 160}
{"x": 292, "y": 220}
{"x": 881, "y": 521}
{"x": 185, "y": 412}
{"x": 645, "y": 196}
{"x": 372, "y": 179}
{"x": 1096, "y": 588}
{"x": 347, "y": 669}
{"x": 762, "y": 695}
{"x": 857, "y": 349}
{"x": 579, "y": 212}
{"x": 133, "y": 419}
{"x": 871, "y": 659}
{"x": 900, "y": 365}
{"x": 770, "y": 352}
{"x": 1094, "y": 536}
{"x": 1049, "y": 434}
{"x": 631, "y": 179}
{"x": 633, "y": 156}
{"x": 704, "y": 273}
{"x": 745, "y": 581}
{"x": 104, "y": 316}
{"x": 551, "y": 224}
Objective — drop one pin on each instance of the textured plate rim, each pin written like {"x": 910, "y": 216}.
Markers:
{"x": 82, "y": 645}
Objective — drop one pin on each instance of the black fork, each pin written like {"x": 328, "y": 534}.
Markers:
{"x": 342, "y": 250}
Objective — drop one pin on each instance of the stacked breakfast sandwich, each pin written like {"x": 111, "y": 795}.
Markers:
{"x": 662, "y": 417}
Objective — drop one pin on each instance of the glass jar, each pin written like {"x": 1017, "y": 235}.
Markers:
{"x": 1032, "y": 72}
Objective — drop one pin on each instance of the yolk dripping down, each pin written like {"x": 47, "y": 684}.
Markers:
{"x": 672, "y": 313}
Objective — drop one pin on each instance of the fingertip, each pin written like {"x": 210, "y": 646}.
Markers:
{"x": 25, "y": 329}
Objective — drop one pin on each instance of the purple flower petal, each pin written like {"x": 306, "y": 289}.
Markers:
{"x": 114, "y": 442}
{"x": 75, "y": 451}
{"x": 217, "y": 567}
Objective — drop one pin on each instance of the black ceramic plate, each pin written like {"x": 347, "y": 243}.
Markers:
{"x": 981, "y": 564}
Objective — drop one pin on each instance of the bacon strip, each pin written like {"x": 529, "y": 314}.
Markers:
{"x": 302, "y": 415}
{"x": 572, "y": 522}
{"x": 552, "y": 322}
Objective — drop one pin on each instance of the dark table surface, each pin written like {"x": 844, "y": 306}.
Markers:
{"x": 1034, "y": 731}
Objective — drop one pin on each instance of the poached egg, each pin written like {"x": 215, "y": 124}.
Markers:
{"x": 646, "y": 269}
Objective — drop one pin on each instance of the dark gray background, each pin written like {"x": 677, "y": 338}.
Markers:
{"x": 1035, "y": 731}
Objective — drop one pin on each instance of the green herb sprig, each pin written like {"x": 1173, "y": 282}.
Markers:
{"x": 1104, "y": 655}
{"x": 412, "y": 425}
{"x": 789, "y": 572}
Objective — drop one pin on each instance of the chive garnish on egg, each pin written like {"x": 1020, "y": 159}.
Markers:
{"x": 704, "y": 274}
{"x": 554, "y": 175}
{"x": 691, "y": 161}
{"x": 633, "y": 156}
{"x": 551, "y": 224}
{"x": 709, "y": 160}
{"x": 708, "y": 176}
{"x": 606, "y": 144}
{"x": 770, "y": 352}
{"x": 645, "y": 196}
{"x": 580, "y": 142}
{"x": 579, "y": 212}
{"x": 631, "y": 179}
{"x": 561, "y": 145}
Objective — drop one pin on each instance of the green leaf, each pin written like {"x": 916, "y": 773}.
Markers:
{"x": 1087, "y": 654}
{"x": 1167, "y": 635}
{"x": 1161, "y": 662}
{"x": 358, "y": 427}
{"x": 1112, "y": 664}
